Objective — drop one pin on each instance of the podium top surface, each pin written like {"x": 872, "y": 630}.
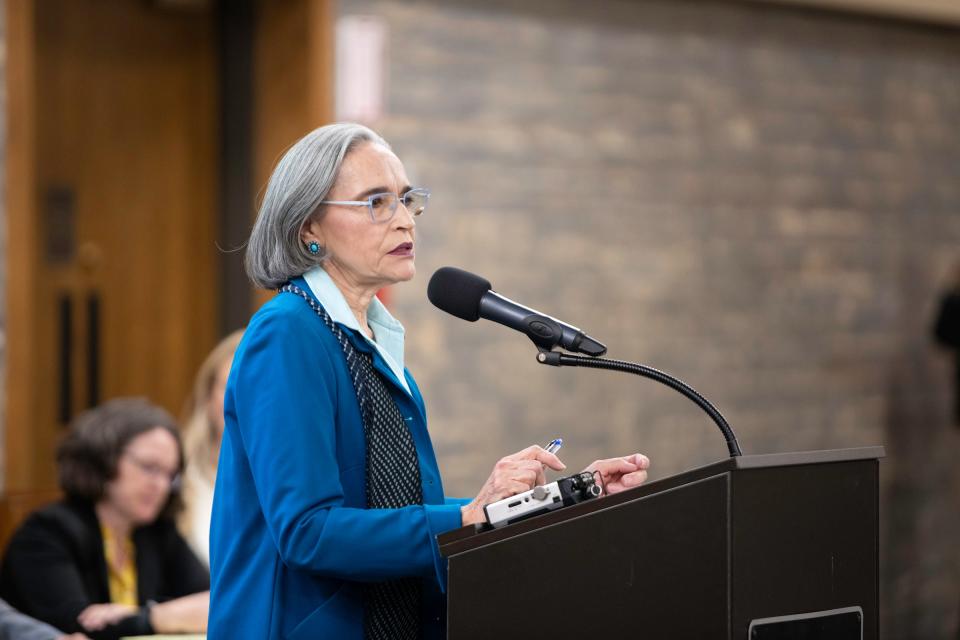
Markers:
{"x": 469, "y": 537}
{"x": 802, "y": 457}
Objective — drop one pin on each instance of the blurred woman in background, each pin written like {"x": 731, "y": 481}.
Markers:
{"x": 202, "y": 432}
{"x": 16, "y": 626}
{"x": 108, "y": 560}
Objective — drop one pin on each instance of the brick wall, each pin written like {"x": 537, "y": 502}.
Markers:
{"x": 762, "y": 201}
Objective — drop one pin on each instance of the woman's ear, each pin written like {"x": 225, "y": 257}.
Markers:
{"x": 312, "y": 232}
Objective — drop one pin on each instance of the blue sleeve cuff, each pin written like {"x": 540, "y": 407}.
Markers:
{"x": 460, "y": 502}
{"x": 440, "y": 519}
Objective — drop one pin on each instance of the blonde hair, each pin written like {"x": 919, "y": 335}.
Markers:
{"x": 200, "y": 447}
{"x": 199, "y": 438}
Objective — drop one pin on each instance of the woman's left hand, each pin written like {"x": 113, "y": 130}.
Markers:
{"x": 98, "y": 616}
{"x": 619, "y": 474}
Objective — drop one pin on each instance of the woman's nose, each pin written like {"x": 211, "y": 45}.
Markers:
{"x": 403, "y": 218}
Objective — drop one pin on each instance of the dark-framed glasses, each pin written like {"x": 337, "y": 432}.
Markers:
{"x": 383, "y": 206}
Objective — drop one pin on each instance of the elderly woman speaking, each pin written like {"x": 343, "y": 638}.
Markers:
{"x": 328, "y": 497}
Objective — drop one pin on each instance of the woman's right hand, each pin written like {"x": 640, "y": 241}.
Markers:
{"x": 511, "y": 475}
{"x": 97, "y": 616}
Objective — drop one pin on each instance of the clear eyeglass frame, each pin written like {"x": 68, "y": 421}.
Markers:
{"x": 383, "y": 206}
{"x": 154, "y": 470}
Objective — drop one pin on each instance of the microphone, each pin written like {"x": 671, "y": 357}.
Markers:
{"x": 468, "y": 296}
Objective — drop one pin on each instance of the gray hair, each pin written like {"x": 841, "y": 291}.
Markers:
{"x": 302, "y": 178}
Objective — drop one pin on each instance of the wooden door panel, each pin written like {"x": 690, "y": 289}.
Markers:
{"x": 114, "y": 103}
{"x": 125, "y": 122}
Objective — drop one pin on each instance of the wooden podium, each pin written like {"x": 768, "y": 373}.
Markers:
{"x": 765, "y": 547}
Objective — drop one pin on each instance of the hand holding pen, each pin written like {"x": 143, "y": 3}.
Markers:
{"x": 511, "y": 475}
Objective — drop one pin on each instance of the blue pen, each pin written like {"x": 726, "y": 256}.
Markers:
{"x": 554, "y": 445}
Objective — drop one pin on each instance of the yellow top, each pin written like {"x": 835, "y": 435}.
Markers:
{"x": 122, "y": 577}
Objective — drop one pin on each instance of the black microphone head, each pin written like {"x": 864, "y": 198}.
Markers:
{"x": 457, "y": 292}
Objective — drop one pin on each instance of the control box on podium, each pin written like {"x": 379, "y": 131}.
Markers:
{"x": 765, "y": 547}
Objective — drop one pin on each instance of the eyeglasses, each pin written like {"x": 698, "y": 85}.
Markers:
{"x": 383, "y": 206}
{"x": 154, "y": 470}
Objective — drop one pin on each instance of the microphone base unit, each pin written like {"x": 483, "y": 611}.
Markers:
{"x": 542, "y": 499}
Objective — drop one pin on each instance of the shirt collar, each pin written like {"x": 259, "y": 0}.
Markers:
{"x": 387, "y": 330}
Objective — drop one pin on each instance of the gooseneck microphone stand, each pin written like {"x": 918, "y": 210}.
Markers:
{"x": 557, "y": 359}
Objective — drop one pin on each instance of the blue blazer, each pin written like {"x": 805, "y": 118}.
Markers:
{"x": 291, "y": 540}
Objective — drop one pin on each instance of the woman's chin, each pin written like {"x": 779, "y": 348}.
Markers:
{"x": 146, "y": 515}
{"x": 403, "y": 273}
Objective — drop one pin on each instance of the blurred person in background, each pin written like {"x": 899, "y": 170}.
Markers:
{"x": 329, "y": 497}
{"x": 16, "y": 626}
{"x": 947, "y": 332}
{"x": 202, "y": 432}
{"x": 108, "y": 560}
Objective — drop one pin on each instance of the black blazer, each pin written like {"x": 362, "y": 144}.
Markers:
{"x": 54, "y": 568}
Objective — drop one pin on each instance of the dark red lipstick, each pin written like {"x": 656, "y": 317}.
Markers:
{"x": 404, "y": 249}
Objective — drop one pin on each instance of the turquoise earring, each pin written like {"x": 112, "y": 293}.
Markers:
{"x": 313, "y": 247}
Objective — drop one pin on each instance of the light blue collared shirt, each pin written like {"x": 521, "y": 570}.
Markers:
{"x": 387, "y": 330}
